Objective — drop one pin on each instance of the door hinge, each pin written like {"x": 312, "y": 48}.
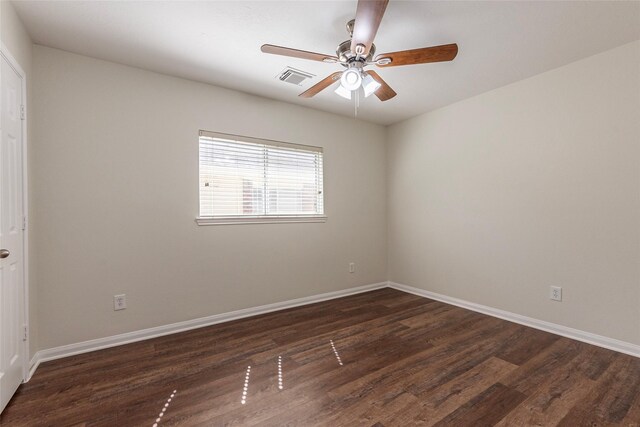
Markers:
{"x": 23, "y": 112}
{"x": 24, "y": 337}
{"x": 24, "y": 223}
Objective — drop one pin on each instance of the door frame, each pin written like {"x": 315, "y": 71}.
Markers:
{"x": 26, "y": 363}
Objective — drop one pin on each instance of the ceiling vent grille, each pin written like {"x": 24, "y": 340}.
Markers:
{"x": 293, "y": 76}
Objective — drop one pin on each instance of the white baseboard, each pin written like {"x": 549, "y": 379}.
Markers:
{"x": 33, "y": 365}
{"x": 565, "y": 331}
{"x": 145, "y": 334}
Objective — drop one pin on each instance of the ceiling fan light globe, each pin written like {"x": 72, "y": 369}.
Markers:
{"x": 351, "y": 79}
{"x": 370, "y": 85}
{"x": 346, "y": 94}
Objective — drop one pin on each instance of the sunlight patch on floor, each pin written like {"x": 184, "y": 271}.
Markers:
{"x": 164, "y": 408}
{"x": 335, "y": 351}
{"x": 246, "y": 385}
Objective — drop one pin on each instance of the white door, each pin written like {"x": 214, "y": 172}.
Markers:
{"x": 11, "y": 242}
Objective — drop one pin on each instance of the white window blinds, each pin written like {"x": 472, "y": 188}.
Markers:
{"x": 248, "y": 177}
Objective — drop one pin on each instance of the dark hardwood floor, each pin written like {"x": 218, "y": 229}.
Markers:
{"x": 382, "y": 358}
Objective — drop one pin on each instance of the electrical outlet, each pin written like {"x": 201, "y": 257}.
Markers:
{"x": 119, "y": 302}
{"x": 556, "y": 293}
{"x": 352, "y": 267}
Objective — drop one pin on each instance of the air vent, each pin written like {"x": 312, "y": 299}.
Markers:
{"x": 293, "y": 76}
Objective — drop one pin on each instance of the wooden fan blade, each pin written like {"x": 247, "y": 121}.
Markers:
{"x": 296, "y": 53}
{"x": 368, "y": 16}
{"x": 384, "y": 92}
{"x": 321, "y": 85}
{"x": 446, "y": 52}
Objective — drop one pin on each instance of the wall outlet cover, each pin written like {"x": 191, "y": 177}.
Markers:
{"x": 119, "y": 302}
{"x": 555, "y": 293}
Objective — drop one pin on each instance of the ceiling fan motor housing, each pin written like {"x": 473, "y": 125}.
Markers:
{"x": 345, "y": 55}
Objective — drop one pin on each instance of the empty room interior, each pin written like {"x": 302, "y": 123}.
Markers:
{"x": 320, "y": 213}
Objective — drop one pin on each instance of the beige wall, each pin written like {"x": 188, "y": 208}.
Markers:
{"x": 492, "y": 200}
{"x": 116, "y": 195}
{"x": 16, "y": 39}
{"x": 495, "y": 198}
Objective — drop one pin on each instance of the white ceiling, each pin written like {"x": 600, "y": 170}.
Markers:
{"x": 218, "y": 42}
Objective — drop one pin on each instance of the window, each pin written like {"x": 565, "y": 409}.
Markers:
{"x": 246, "y": 180}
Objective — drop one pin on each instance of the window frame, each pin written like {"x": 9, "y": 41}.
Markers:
{"x": 260, "y": 219}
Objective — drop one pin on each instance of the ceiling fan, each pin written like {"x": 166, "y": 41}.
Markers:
{"x": 358, "y": 52}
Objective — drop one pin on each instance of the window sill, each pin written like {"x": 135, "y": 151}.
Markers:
{"x": 270, "y": 219}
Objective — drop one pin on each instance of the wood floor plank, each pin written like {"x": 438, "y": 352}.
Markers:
{"x": 632, "y": 419}
{"x": 432, "y": 367}
{"x": 486, "y": 409}
{"x": 525, "y": 344}
{"x": 612, "y": 398}
{"x": 551, "y": 401}
{"x": 371, "y": 411}
{"x": 380, "y": 358}
{"x": 544, "y": 365}
{"x": 436, "y": 404}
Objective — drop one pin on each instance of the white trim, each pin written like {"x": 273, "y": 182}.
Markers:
{"x": 12, "y": 60}
{"x": 260, "y": 141}
{"x": 145, "y": 334}
{"x": 4, "y": 51}
{"x": 565, "y": 331}
{"x": 264, "y": 219}
{"x": 33, "y": 365}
